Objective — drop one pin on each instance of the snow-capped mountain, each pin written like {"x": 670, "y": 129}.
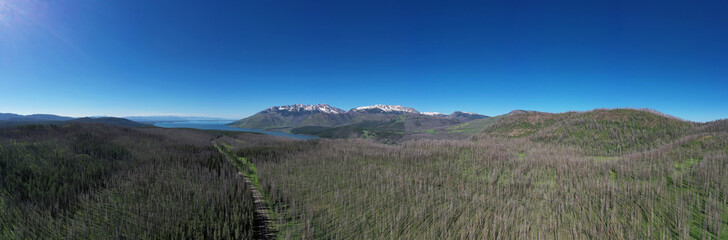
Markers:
{"x": 324, "y": 108}
{"x": 379, "y": 108}
{"x": 465, "y": 116}
{"x": 296, "y": 115}
{"x": 324, "y": 116}
{"x": 468, "y": 113}
{"x": 434, "y": 114}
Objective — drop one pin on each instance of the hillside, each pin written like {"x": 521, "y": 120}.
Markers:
{"x": 603, "y": 132}
{"x": 503, "y": 186}
{"x": 121, "y": 122}
{"x": 91, "y": 181}
{"x": 457, "y": 131}
{"x": 474, "y": 126}
{"x": 384, "y": 128}
{"x": 284, "y": 118}
{"x": 465, "y": 116}
{"x": 379, "y": 130}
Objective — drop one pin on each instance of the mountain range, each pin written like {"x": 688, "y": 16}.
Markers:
{"x": 327, "y": 121}
{"x": 647, "y": 128}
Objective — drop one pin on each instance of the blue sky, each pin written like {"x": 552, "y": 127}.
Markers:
{"x": 234, "y": 58}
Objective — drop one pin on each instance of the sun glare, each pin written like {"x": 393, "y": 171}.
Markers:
{"x": 6, "y": 11}
{"x": 18, "y": 15}
{"x": 3, "y": 9}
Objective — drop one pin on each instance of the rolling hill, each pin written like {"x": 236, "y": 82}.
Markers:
{"x": 31, "y": 118}
{"x": 600, "y": 131}
{"x": 122, "y": 122}
{"x": 12, "y": 120}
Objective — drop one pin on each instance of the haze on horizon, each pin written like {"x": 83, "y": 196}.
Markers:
{"x": 234, "y": 58}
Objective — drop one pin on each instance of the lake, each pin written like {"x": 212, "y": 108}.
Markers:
{"x": 220, "y": 125}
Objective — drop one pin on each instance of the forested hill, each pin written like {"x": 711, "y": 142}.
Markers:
{"x": 90, "y": 181}
{"x": 31, "y": 118}
{"x": 601, "y": 131}
{"x": 121, "y": 122}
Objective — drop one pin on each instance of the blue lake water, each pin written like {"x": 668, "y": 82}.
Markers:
{"x": 220, "y": 125}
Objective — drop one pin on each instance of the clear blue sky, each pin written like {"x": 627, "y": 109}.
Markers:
{"x": 234, "y": 58}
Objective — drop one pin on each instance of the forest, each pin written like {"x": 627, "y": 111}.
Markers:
{"x": 602, "y": 174}
{"x": 91, "y": 181}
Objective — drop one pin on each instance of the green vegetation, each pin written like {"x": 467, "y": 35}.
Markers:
{"x": 503, "y": 186}
{"x": 604, "y": 174}
{"x": 244, "y": 166}
{"x": 474, "y": 126}
{"x": 383, "y": 131}
{"x": 99, "y": 182}
{"x": 401, "y": 128}
{"x": 598, "y": 132}
{"x": 121, "y": 122}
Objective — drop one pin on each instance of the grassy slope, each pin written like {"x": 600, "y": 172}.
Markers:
{"x": 599, "y": 132}
{"x": 474, "y": 126}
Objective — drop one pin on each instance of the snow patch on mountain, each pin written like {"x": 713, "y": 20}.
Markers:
{"x": 324, "y": 108}
{"x": 469, "y": 113}
{"x": 379, "y": 108}
{"x": 434, "y": 114}
{"x": 388, "y": 108}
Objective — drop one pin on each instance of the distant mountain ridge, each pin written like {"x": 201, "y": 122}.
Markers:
{"x": 323, "y": 108}
{"x": 171, "y": 118}
{"x": 379, "y": 108}
{"x": 122, "y": 122}
{"x": 32, "y": 117}
{"x": 12, "y": 119}
{"x": 383, "y": 122}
